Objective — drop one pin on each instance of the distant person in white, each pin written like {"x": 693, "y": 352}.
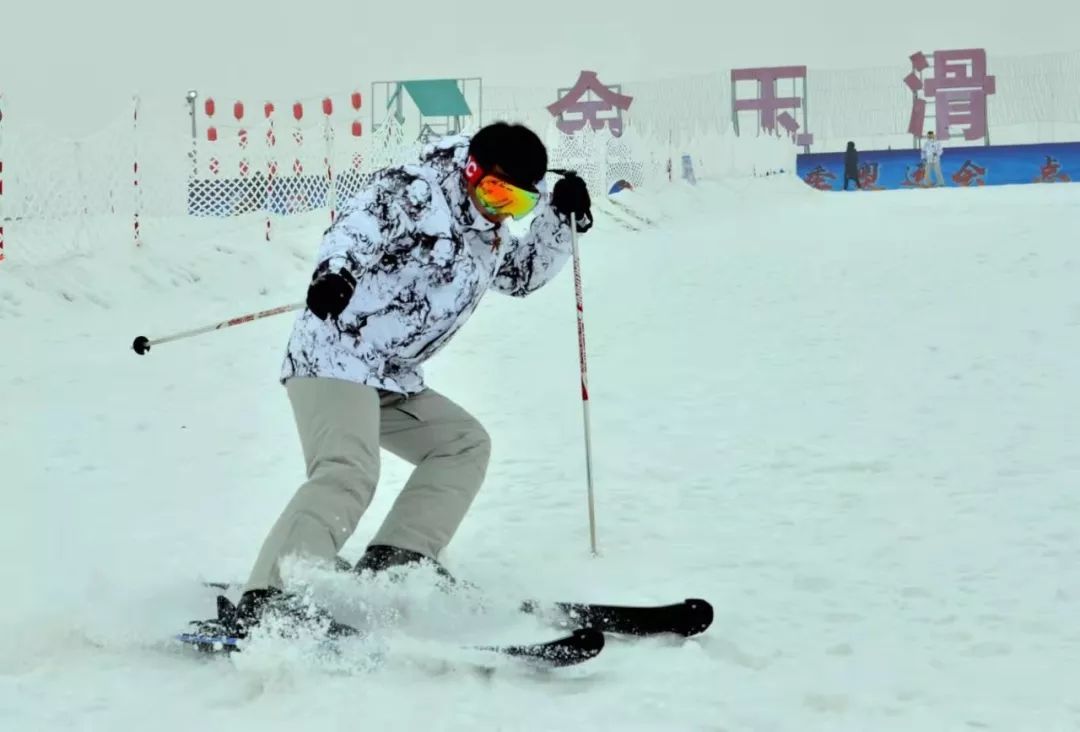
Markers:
{"x": 931, "y": 156}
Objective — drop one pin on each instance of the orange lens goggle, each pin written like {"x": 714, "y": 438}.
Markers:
{"x": 500, "y": 197}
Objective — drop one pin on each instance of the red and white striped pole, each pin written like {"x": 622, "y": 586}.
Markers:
{"x": 135, "y": 167}
{"x": 212, "y": 165}
{"x": 298, "y": 138}
{"x": 584, "y": 381}
{"x": 328, "y": 135}
{"x": 242, "y": 142}
{"x": 356, "y": 100}
{"x": 271, "y": 162}
{"x": 142, "y": 344}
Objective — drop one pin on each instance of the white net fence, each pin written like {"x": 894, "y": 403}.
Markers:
{"x": 149, "y": 162}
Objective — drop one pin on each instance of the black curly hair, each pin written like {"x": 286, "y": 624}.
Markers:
{"x": 514, "y": 148}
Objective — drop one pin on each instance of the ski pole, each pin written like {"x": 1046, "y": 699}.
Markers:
{"x": 142, "y": 343}
{"x": 584, "y": 381}
{"x": 584, "y": 368}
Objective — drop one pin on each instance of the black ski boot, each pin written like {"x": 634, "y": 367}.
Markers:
{"x": 237, "y": 621}
{"x": 381, "y": 557}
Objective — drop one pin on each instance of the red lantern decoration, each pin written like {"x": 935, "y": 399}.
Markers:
{"x": 327, "y": 107}
{"x": 209, "y": 106}
{"x": 211, "y": 134}
{"x": 298, "y": 111}
{"x": 238, "y": 111}
{"x": 356, "y": 100}
{"x": 268, "y": 109}
{"x": 357, "y": 128}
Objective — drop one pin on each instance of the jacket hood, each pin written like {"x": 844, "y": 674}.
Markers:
{"x": 447, "y": 154}
{"x": 446, "y": 158}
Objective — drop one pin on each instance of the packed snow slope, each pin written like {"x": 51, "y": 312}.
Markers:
{"x": 848, "y": 420}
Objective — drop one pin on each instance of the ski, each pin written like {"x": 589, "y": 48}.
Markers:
{"x": 579, "y": 646}
{"x": 687, "y": 618}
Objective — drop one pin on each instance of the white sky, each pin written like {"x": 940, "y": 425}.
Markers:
{"x": 56, "y": 57}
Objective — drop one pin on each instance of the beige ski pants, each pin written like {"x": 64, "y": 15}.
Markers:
{"x": 342, "y": 425}
{"x": 933, "y": 169}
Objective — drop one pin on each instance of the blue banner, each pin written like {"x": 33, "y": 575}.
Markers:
{"x": 962, "y": 166}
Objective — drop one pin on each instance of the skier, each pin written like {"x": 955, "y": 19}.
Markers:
{"x": 851, "y": 166}
{"x": 399, "y": 272}
{"x": 931, "y": 156}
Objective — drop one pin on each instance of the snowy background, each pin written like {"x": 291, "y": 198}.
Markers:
{"x": 848, "y": 420}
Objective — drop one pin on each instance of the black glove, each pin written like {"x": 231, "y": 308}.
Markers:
{"x": 571, "y": 196}
{"x": 329, "y": 292}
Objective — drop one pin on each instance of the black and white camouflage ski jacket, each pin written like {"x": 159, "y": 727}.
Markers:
{"x": 423, "y": 257}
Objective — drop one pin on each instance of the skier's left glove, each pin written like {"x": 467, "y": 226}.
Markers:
{"x": 330, "y": 292}
{"x": 570, "y": 197}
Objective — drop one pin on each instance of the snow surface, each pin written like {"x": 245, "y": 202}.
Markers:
{"x": 849, "y": 421}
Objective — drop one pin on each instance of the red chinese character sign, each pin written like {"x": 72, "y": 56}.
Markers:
{"x": 586, "y": 101}
{"x": 774, "y": 111}
{"x": 958, "y": 83}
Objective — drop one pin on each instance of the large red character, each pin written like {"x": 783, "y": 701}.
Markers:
{"x": 959, "y": 84}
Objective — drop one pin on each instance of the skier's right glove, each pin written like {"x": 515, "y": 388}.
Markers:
{"x": 329, "y": 292}
{"x": 570, "y": 198}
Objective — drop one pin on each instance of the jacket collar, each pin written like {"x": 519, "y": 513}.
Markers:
{"x": 447, "y": 157}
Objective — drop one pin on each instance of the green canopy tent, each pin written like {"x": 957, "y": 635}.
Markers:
{"x": 441, "y": 103}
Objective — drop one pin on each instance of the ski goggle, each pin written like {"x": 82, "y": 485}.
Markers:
{"x": 500, "y": 197}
